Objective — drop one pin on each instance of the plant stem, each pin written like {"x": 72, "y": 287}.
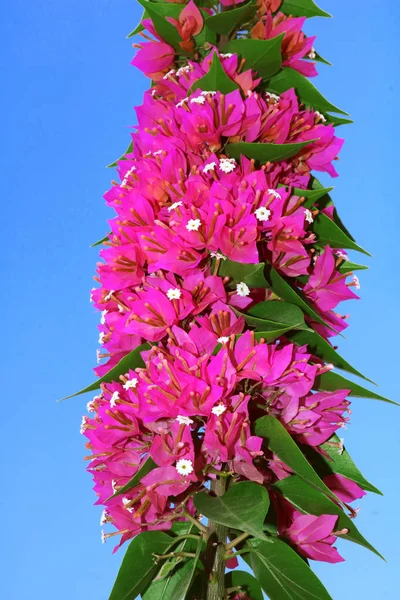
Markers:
{"x": 217, "y": 535}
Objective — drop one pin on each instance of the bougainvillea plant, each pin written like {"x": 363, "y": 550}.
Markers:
{"x": 215, "y": 431}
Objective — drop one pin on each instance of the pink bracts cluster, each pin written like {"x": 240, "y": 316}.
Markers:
{"x": 184, "y": 207}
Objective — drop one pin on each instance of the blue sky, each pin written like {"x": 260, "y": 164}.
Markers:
{"x": 68, "y": 93}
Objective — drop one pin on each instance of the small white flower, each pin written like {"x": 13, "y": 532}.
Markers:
{"x": 171, "y": 72}
{"x": 110, "y": 293}
{"x": 174, "y": 294}
{"x": 103, "y": 518}
{"x": 274, "y": 193}
{"x": 181, "y": 103}
{"x": 198, "y": 100}
{"x": 273, "y": 96}
{"x": 91, "y": 294}
{"x": 153, "y": 93}
{"x": 101, "y": 337}
{"x": 218, "y": 410}
{"x": 342, "y": 255}
{"x": 84, "y": 425}
{"x": 209, "y": 93}
{"x": 103, "y": 537}
{"x": 308, "y": 215}
{"x": 262, "y": 213}
{"x": 182, "y": 70}
{"x": 126, "y": 501}
{"x": 356, "y": 282}
{"x": 98, "y": 357}
{"x": 320, "y": 116}
{"x": 242, "y": 289}
{"x": 312, "y": 54}
{"x": 226, "y": 55}
{"x": 130, "y": 384}
{"x": 103, "y": 316}
{"x": 174, "y": 205}
{"x": 91, "y": 405}
{"x": 193, "y": 224}
{"x": 217, "y": 255}
{"x": 120, "y": 308}
{"x": 157, "y": 152}
{"x": 224, "y": 339}
{"x": 114, "y": 486}
{"x": 114, "y": 398}
{"x": 210, "y": 167}
{"x": 184, "y": 466}
{"x": 182, "y": 420}
{"x": 227, "y": 165}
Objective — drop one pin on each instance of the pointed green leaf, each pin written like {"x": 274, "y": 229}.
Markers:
{"x": 273, "y": 315}
{"x": 348, "y": 267}
{"x": 302, "y": 8}
{"x": 130, "y": 361}
{"x": 310, "y": 501}
{"x": 264, "y": 56}
{"x": 158, "y": 12}
{"x": 328, "y": 233}
{"x": 320, "y": 347}
{"x": 138, "y": 566}
{"x": 264, "y": 153}
{"x": 224, "y": 22}
{"x": 122, "y": 157}
{"x": 307, "y": 92}
{"x": 284, "y": 290}
{"x": 99, "y": 242}
{"x": 244, "y": 581}
{"x": 250, "y": 274}
{"x": 144, "y": 470}
{"x": 282, "y": 444}
{"x": 284, "y": 575}
{"x": 321, "y": 59}
{"x": 337, "y": 121}
{"x": 311, "y": 196}
{"x": 339, "y": 462}
{"x": 243, "y": 507}
{"x": 331, "y": 381}
{"x": 139, "y": 27}
{"x": 215, "y": 79}
{"x": 187, "y": 574}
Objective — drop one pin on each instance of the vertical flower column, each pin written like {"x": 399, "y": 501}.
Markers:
{"x": 214, "y": 431}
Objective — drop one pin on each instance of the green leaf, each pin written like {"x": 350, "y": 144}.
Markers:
{"x": 245, "y": 581}
{"x": 243, "y": 507}
{"x": 264, "y": 56}
{"x": 187, "y": 574}
{"x": 322, "y": 60}
{"x": 282, "y": 444}
{"x": 284, "y": 575}
{"x": 139, "y": 27}
{"x": 265, "y": 152}
{"x": 331, "y": 381}
{"x": 337, "y": 121}
{"x": 339, "y": 462}
{"x": 215, "y": 79}
{"x": 307, "y": 92}
{"x": 275, "y": 315}
{"x": 158, "y": 12}
{"x": 311, "y": 196}
{"x": 251, "y": 274}
{"x": 224, "y": 22}
{"x": 328, "y": 232}
{"x": 349, "y": 267}
{"x": 99, "y": 242}
{"x": 302, "y": 8}
{"x": 284, "y": 290}
{"x": 130, "y": 361}
{"x": 310, "y": 501}
{"x": 148, "y": 466}
{"x": 122, "y": 157}
{"x": 320, "y": 347}
{"x": 138, "y": 567}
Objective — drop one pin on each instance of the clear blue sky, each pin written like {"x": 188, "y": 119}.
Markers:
{"x": 67, "y": 98}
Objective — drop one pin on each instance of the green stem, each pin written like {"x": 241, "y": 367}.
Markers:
{"x": 217, "y": 535}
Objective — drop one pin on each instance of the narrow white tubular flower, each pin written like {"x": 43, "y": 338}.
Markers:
{"x": 227, "y": 165}
{"x": 182, "y": 70}
{"x": 193, "y": 224}
{"x": 174, "y": 205}
{"x": 198, "y": 100}
{"x": 218, "y": 410}
{"x": 320, "y": 116}
{"x": 312, "y": 54}
{"x": 91, "y": 294}
{"x": 130, "y": 384}
{"x": 308, "y": 215}
{"x": 90, "y": 406}
{"x": 242, "y": 289}
{"x": 342, "y": 255}
{"x": 98, "y": 357}
{"x": 103, "y": 316}
{"x": 217, "y": 255}
{"x": 171, "y": 72}
{"x": 184, "y": 466}
{"x": 174, "y": 294}
{"x": 84, "y": 425}
{"x": 110, "y": 293}
{"x": 210, "y": 167}
{"x": 273, "y": 96}
{"x": 274, "y": 193}
{"x": 114, "y": 486}
{"x": 356, "y": 282}
{"x": 103, "y": 537}
{"x": 120, "y": 308}
{"x": 226, "y": 55}
{"x": 101, "y": 337}
{"x": 182, "y": 420}
{"x": 126, "y": 501}
{"x": 103, "y": 518}
{"x": 262, "y": 213}
{"x": 114, "y": 398}
{"x": 181, "y": 103}
{"x": 224, "y": 339}
{"x": 208, "y": 93}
